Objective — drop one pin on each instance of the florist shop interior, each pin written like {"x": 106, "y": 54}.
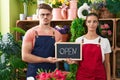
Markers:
{"x": 17, "y": 16}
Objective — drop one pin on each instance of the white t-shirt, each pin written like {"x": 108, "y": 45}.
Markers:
{"x": 105, "y": 44}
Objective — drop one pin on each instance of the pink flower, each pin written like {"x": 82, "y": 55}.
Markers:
{"x": 102, "y": 27}
{"x": 109, "y": 32}
{"x": 106, "y": 26}
{"x": 59, "y": 75}
{"x": 56, "y": 75}
{"x": 105, "y": 30}
{"x": 43, "y": 76}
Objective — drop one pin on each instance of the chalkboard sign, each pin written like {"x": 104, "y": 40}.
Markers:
{"x": 71, "y": 50}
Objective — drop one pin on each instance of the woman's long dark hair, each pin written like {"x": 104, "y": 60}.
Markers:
{"x": 84, "y": 24}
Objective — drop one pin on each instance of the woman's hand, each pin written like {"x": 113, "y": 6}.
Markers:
{"x": 70, "y": 61}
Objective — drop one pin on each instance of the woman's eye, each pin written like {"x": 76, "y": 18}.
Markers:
{"x": 95, "y": 21}
{"x": 89, "y": 21}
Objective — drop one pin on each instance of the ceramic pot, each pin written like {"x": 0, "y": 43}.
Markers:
{"x": 73, "y": 4}
{"x": 72, "y": 13}
{"x": 59, "y": 13}
{"x": 65, "y": 37}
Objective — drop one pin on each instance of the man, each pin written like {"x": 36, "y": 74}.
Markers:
{"x": 38, "y": 43}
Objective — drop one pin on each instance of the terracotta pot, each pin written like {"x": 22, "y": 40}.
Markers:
{"x": 65, "y": 37}
{"x": 72, "y": 13}
{"x": 56, "y": 13}
{"x": 59, "y": 13}
{"x": 73, "y": 4}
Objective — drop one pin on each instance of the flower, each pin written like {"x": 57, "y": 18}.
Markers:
{"x": 58, "y": 3}
{"x": 63, "y": 29}
{"x": 97, "y": 4}
{"x": 55, "y": 75}
{"x": 105, "y": 30}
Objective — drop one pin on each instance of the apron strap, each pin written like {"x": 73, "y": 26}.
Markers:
{"x": 98, "y": 40}
{"x": 82, "y": 40}
{"x": 53, "y": 36}
{"x": 36, "y": 34}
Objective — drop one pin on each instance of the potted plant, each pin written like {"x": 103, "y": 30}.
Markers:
{"x": 11, "y": 65}
{"x": 59, "y": 8}
{"x": 64, "y": 30}
{"x": 26, "y": 3}
{"x": 113, "y": 6}
{"x": 76, "y": 29}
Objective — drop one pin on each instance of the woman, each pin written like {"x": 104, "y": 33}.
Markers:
{"x": 95, "y": 64}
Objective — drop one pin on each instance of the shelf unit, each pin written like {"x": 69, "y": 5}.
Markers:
{"x": 27, "y": 24}
{"x": 116, "y": 53}
{"x": 110, "y": 21}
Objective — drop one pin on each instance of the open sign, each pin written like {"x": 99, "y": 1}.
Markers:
{"x": 71, "y": 50}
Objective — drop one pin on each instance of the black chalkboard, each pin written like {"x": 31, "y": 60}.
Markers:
{"x": 71, "y": 50}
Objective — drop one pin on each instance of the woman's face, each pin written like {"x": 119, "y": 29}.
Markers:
{"x": 92, "y": 23}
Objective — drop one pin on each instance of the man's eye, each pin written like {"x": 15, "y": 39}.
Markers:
{"x": 42, "y": 14}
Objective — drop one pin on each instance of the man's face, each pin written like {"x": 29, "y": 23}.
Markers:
{"x": 45, "y": 16}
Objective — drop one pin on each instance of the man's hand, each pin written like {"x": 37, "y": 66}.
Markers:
{"x": 53, "y": 60}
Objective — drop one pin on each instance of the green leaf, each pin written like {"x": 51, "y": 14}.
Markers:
{"x": 76, "y": 29}
{"x": 18, "y": 29}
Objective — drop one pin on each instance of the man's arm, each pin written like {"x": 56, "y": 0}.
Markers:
{"x": 28, "y": 57}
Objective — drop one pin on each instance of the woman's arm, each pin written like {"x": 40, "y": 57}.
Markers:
{"x": 107, "y": 66}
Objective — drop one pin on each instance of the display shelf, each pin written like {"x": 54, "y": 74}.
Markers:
{"x": 116, "y": 65}
{"x": 117, "y": 34}
{"x": 27, "y": 24}
{"x": 112, "y": 24}
{"x": 116, "y": 54}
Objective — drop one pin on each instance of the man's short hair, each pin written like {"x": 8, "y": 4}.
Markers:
{"x": 45, "y": 6}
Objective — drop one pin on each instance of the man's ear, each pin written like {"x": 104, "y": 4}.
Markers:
{"x": 37, "y": 16}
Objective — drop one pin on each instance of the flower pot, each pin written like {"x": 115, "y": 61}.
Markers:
{"x": 73, "y": 4}
{"x": 66, "y": 66}
{"x": 65, "y": 37}
{"x": 72, "y": 13}
{"x": 57, "y": 14}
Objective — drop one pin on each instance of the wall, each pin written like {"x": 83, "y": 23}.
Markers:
{"x": 14, "y": 12}
{"x": 0, "y": 15}
{"x": 4, "y": 16}
{"x": 9, "y": 13}
{"x": 32, "y": 9}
